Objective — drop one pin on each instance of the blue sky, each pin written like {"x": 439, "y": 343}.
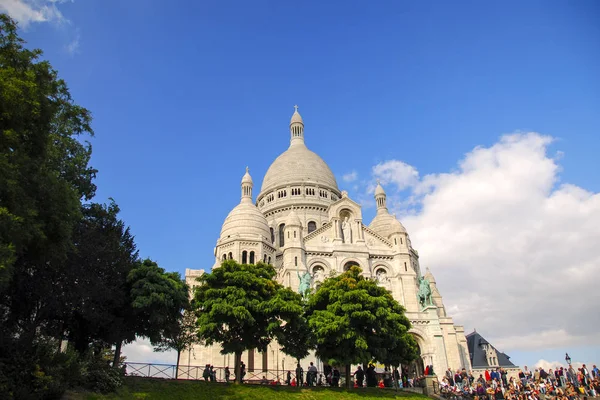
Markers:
{"x": 185, "y": 95}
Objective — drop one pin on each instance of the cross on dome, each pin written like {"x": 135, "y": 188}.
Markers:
{"x": 295, "y": 108}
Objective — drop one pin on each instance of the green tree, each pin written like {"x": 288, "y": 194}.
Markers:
{"x": 295, "y": 337}
{"x": 100, "y": 261}
{"x": 242, "y": 307}
{"x": 157, "y": 300}
{"x": 180, "y": 336}
{"x": 44, "y": 176}
{"x": 354, "y": 321}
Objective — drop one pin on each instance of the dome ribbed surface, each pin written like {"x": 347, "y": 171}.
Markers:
{"x": 298, "y": 165}
{"x": 247, "y": 221}
{"x": 386, "y": 224}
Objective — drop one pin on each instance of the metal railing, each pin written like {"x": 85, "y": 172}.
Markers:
{"x": 191, "y": 372}
{"x": 257, "y": 376}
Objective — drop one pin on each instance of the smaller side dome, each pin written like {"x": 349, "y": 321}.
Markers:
{"x": 429, "y": 276}
{"x": 386, "y": 225}
{"x": 293, "y": 219}
{"x": 246, "y": 220}
{"x": 397, "y": 226}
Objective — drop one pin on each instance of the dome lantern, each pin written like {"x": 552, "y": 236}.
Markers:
{"x": 247, "y": 185}
{"x": 380, "y": 198}
{"x": 296, "y": 128}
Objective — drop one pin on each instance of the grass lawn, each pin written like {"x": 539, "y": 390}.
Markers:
{"x": 151, "y": 389}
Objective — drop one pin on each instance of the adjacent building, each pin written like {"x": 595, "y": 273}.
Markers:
{"x": 483, "y": 356}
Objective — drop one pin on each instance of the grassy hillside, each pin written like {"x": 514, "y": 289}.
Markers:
{"x": 155, "y": 389}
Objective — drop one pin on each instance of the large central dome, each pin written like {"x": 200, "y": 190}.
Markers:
{"x": 298, "y": 165}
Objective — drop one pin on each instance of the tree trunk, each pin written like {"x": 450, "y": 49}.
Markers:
{"x": 238, "y": 367}
{"x": 117, "y": 358}
{"x": 348, "y": 383}
{"x": 177, "y": 366}
{"x": 61, "y": 335}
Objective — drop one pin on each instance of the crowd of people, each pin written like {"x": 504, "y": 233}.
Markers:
{"x": 331, "y": 376}
{"x": 558, "y": 384}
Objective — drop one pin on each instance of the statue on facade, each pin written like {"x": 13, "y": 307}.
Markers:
{"x": 305, "y": 281}
{"x": 381, "y": 276}
{"x": 424, "y": 294}
{"x": 346, "y": 231}
{"x": 318, "y": 274}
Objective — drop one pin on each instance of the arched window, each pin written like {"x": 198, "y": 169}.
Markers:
{"x": 272, "y": 236}
{"x": 265, "y": 258}
{"x": 350, "y": 264}
{"x": 312, "y": 226}
{"x": 269, "y": 260}
{"x": 230, "y": 256}
{"x": 224, "y": 257}
{"x": 295, "y": 261}
{"x": 251, "y": 257}
{"x": 281, "y": 235}
{"x": 244, "y": 257}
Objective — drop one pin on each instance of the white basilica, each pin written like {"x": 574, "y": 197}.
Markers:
{"x": 302, "y": 222}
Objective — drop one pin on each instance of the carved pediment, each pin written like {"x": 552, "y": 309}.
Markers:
{"x": 345, "y": 203}
{"x": 373, "y": 239}
{"x": 321, "y": 237}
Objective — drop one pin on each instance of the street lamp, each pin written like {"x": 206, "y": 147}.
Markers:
{"x": 568, "y": 359}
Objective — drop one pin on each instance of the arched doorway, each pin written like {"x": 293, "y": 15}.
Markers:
{"x": 417, "y": 367}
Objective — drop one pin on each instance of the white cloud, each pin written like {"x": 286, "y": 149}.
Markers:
{"x": 557, "y": 364}
{"x": 142, "y": 351}
{"x": 396, "y": 172}
{"x": 28, "y": 11}
{"x": 514, "y": 256}
{"x": 73, "y": 47}
{"x": 350, "y": 177}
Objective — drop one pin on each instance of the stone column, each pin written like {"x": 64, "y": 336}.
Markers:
{"x": 336, "y": 231}
{"x": 359, "y": 232}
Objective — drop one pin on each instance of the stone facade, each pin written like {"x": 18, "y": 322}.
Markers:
{"x": 302, "y": 222}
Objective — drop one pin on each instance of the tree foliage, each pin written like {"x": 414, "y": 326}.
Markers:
{"x": 103, "y": 255}
{"x": 242, "y": 307}
{"x": 44, "y": 176}
{"x": 66, "y": 266}
{"x": 295, "y": 337}
{"x": 157, "y": 299}
{"x": 356, "y": 321}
